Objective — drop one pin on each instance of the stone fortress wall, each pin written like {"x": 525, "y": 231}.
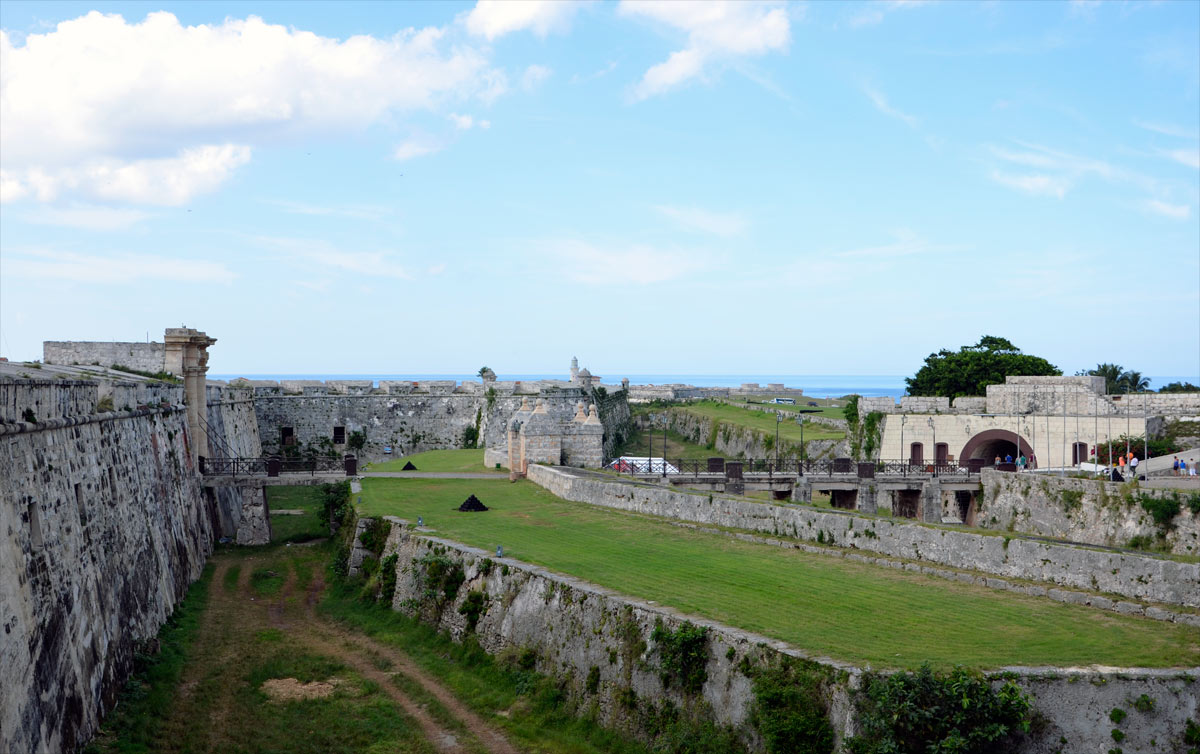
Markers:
{"x": 144, "y": 357}
{"x": 577, "y": 630}
{"x": 103, "y": 527}
{"x": 410, "y": 417}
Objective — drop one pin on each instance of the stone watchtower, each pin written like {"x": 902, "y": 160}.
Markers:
{"x": 574, "y": 368}
{"x": 187, "y": 356}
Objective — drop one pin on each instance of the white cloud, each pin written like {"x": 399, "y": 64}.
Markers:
{"x": 873, "y": 13}
{"x": 87, "y": 217}
{"x": 467, "y": 122}
{"x": 882, "y": 105}
{"x": 693, "y": 218}
{"x": 1168, "y": 129}
{"x": 114, "y": 109}
{"x": 324, "y": 254}
{"x": 121, "y": 268}
{"x": 436, "y": 269}
{"x": 1187, "y": 156}
{"x": 164, "y": 181}
{"x": 1037, "y": 184}
{"x": 716, "y": 30}
{"x": 417, "y": 147}
{"x": 582, "y": 262}
{"x": 1173, "y": 211}
{"x": 495, "y": 18}
{"x": 534, "y": 77}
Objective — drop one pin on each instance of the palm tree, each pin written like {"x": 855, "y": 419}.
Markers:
{"x": 1134, "y": 382}
{"x": 1112, "y": 377}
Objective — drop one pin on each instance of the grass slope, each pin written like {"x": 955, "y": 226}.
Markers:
{"x": 823, "y": 605}
{"x": 761, "y": 421}
{"x": 302, "y": 528}
{"x": 470, "y": 460}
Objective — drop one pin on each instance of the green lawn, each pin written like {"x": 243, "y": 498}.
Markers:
{"x": 823, "y": 408}
{"x": 677, "y": 446}
{"x": 439, "y": 460}
{"x": 289, "y": 528}
{"x": 762, "y": 421}
{"x": 823, "y": 605}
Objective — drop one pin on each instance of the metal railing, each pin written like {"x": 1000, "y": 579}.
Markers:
{"x": 827, "y": 467}
{"x": 273, "y": 465}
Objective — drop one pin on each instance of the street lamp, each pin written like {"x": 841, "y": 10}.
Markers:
{"x": 800, "y": 421}
{"x": 778, "y": 419}
{"x": 933, "y": 428}
{"x": 903, "y": 417}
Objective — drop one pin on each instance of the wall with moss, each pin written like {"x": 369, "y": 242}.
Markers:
{"x": 1091, "y": 511}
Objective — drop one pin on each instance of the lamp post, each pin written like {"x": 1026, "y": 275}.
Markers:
{"x": 800, "y": 421}
{"x": 933, "y": 428}
{"x": 778, "y": 419}
{"x": 903, "y": 417}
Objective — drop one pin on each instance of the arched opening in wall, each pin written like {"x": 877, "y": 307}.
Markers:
{"x": 916, "y": 453}
{"x": 844, "y": 499}
{"x": 941, "y": 452}
{"x": 1079, "y": 453}
{"x": 995, "y": 443}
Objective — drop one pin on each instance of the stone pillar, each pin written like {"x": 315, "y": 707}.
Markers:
{"x": 187, "y": 357}
{"x": 802, "y": 492}
{"x": 931, "y": 502}
{"x": 868, "y": 497}
{"x": 254, "y": 528}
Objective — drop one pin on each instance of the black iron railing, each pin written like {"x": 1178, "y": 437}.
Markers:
{"x": 827, "y": 467}
{"x": 275, "y": 465}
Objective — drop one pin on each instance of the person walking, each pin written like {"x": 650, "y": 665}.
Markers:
{"x": 1133, "y": 464}
{"x": 1175, "y": 467}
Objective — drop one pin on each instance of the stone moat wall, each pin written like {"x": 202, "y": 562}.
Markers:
{"x": 1128, "y": 575}
{"x": 1085, "y": 510}
{"x": 103, "y": 527}
{"x": 600, "y": 646}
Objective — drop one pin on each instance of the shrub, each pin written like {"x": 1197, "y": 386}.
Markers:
{"x": 387, "y": 578}
{"x": 593, "y": 679}
{"x": 375, "y": 535}
{"x": 442, "y": 577}
{"x": 788, "y": 709}
{"x": 1161, "y": 509}
{"x": 914, "y": 713}
{"x": 684, "y": 655}
{"x": 472, "y": 607}
{"x": 1117, "y": 715}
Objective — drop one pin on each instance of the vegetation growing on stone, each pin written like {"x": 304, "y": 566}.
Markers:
{"x": 683, "y": 655}
{"x": 959, "y": 711}
{"x": 789, "y": 709}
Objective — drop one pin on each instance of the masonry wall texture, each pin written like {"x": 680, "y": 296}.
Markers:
{"x": 145, "y": 357}
{"x": 1083, "y": 510}
{"x": 410, "y": 422}
{"x": 233, "y": 431}
{"x": 575, "y": 628}
{"x": 102, "y": 529}
{"x": 1129, "y": 575}
{"x": 736, "y": 442}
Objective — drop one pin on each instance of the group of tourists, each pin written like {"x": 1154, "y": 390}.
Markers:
{"x": 1181, "y": 468}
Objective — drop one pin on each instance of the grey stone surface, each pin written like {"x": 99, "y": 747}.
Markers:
{"x": 1081, "y": 510}
{"x": 145, "y": 357}
{"x": 102, "y": 529}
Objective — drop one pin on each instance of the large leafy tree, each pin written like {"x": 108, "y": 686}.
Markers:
{"x": 970, "y": 369}
{"x": 1179, "y": 387}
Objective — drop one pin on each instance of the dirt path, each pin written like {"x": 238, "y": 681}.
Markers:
{"x": 490, "y": 737}
{"x": 294, "y": 614}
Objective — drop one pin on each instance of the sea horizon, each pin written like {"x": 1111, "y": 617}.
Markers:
{"x": 814, "y": 385}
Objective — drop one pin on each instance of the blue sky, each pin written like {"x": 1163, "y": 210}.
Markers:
{"x": 823, "y": 188}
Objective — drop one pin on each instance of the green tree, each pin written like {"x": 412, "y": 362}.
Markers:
{"x": 1133, "y": 382}
{"x": 1179, "y": 387}
{"x": 483, "y": 370}
{"x": 971, "y": 369}
{"x": 1111, "y": 374}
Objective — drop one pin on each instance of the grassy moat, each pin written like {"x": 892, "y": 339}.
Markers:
{"x": 823, "y": 605}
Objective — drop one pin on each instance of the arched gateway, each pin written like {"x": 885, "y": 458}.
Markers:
{"x": 996, "y": 442}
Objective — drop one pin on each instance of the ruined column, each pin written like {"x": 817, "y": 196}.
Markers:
{"x": 187, "y": 357}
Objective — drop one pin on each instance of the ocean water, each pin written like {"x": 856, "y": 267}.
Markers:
{"x": 816, "y": 385}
